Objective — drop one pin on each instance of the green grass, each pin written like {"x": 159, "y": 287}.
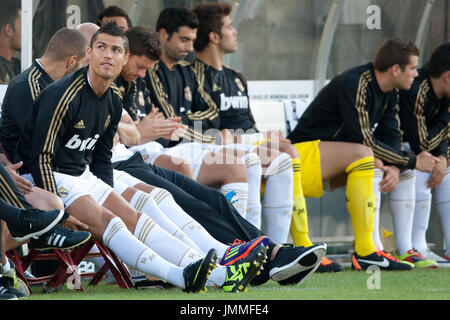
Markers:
{"x": 347, "y": 285}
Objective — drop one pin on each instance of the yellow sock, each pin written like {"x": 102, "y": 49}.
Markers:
{"x": 361, "y": 203}
{"x": 299, "y": 225}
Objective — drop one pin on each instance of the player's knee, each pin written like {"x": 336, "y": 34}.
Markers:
{"x": 360, "y": 152}
{"x": 237, "y": 171}
{"x": 55, "y": 202}
{"x": 290, "y": 150}
{"x": 186, "y": 170}
{"x": 105, "y": 215}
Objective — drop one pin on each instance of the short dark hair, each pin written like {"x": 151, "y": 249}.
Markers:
{"x": 172, "y": 19}
{"x": 9, "y": 12}
{"x": 113, "y": 11}
{"x": 65, "y": 43}
{"x": 395, "y": 51}
{"x": 144, "y": 41}
{"x": 439, "y": 61}
{"x": 112, "y": 29}
{"x": 210, "y": 17}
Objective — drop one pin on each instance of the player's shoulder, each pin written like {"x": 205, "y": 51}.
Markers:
{"x": 116, "y": 91}
{"x": 66, "y": 87}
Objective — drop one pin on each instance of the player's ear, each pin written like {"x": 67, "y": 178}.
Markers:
{"x": 214, "y": 37}
{"x": 71, "y": 61}
{"x": 127, "y": 57}
{"x": 163, "y": 35}
{"x": 396, "y": 70}
{"x": 446, "y": 77}
{"x": 88, "y": 53}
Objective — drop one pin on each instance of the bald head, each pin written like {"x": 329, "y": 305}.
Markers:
{"x": 66, "y": 43}
{"x": 88, "y": 29}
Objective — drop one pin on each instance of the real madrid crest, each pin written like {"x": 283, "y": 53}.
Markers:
{"x": 239, "y": 84}
{"x": 62, "y": 192}
{"x": 108, "y": 121}
{"x": 188, "y": 94}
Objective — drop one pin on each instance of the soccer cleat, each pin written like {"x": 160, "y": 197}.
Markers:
{"x": 6, "y": 287}
{"x": 60, "y": 238}
{"x": 34, "y": 223}
{"x": 415, "y": 258}
{"x": 447, "y": 257}
{"x": 430, "y": 255}
{"x": 379, "y": 259}
{"x": 17, "y": 284}
{"x": 7, "y": 296}
{"x": 292, "y": 265}
{"x": 197, "y": 273}
{"x": 241, "y": 273}
{"x": 328, "y": 265}
{"x": 240, "y": 250}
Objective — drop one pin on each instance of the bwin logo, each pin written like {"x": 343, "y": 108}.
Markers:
{"x": 237, "y": 102}
{"x": 76, "y": 143}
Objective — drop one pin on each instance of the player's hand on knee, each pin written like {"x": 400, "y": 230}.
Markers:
{"x": 75, "y": 224}
{"x": 426, "y": 162}
{"x": 438, "y": 174}
{"x": 390, "y": 180}
{"x": 25, "y": 186}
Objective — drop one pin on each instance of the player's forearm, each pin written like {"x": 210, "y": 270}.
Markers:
{"x": 129, "y": 134}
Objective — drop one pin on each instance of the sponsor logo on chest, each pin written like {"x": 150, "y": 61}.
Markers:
{"x": 75, "y": 143}
{"x": 236, "y": 102}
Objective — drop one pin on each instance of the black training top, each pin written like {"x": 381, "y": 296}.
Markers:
{"x": 424, "y": 118}
{"x": 69, "y": 128}
{"x": 352, "y": 108}
{"x": 172, "y": 91}
{"x": 229, "y": 92}
{"x": 8, "y": 69}
{"x": 19, "y": 98}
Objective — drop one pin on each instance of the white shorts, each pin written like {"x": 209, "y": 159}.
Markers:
{"x": 192, "y": 153}
{"x": 149, "y": 151}
{"x": 71, "y": 188}
{"x": 123, "y": 181}
{"x": 195, "y": 153}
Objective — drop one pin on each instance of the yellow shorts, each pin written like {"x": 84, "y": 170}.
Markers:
{"x": 310, "y": 168}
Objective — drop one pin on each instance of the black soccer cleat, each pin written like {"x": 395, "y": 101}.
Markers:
{"x": 60, "y": 238}
{"x": 381, "y": 260}
{"x": 34, "y": 223}
{"x": 7, "y": 296}
{"x": 242, "y": 272}
{"x": 328, "y": 266}
{"x": 293, "y": 265}
{"x": 197, "y": 273}
{"x": 6, "y": 288}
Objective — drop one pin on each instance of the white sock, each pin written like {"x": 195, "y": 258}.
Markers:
{"x": 163, "y": 243}
{"x": 422, "y": 212}
{"x": 241, "y": 190}
{"x": 144, "y": 203}
{"x": 254, "y": 173}
{"x": 278, "y": 199}
{"x": 377, "y": 178}
{"x": 442, "y": 200}
{"x": 218, "y": 276}
{"x": 138, "y": 256}
{"x": 6, "y": 269}
{"x": 401, "y": 205}
{"x": 186, "y": 223}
